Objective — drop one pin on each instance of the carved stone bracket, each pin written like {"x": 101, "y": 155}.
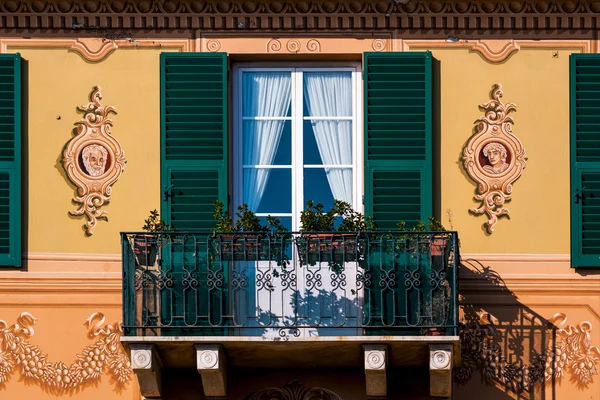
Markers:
{"x": 440, "y": 370}
{"x": 494, "y": 158}
{"x": 93, "y": 160}
{"x": 147, "y": 365}
{"x": 294, "y": 390}
{"x": 375, "y": 370}
{"x": 210, "y": 360}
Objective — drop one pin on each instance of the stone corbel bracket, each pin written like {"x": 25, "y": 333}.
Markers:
{"x": 375, "y": 370}
{"x": 440, "y": 370}
{"x": 494, "y": 158}
{"x": 148, "y": 368}
{"x": 210, "y": 360}
{"x": 93, "y": 160}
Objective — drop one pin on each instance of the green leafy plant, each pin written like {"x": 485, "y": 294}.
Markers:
{"x": 322, "y": 241}
{"x": 315, "y": 219}
{"x": 262, "y": 241}
{"x": 246, "y": 221}
{"x": 154, "y": 224}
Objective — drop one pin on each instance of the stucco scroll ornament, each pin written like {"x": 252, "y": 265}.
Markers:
{"x": 494, "y": 158}
{"x": 93, "y": 160}
{"x": 105, "y": 355}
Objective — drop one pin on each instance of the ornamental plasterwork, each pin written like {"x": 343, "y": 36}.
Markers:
{"x": 494, "y": 158}
{"x": 93, "y": 160}
{"x": 219, "y": 15}
{"x": 104, "y": 357}
{"x": 294, "y": 390}
{"x": 569, "y": 352}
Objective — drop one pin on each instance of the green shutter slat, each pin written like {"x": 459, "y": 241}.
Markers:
{"x": 585, "y": 160}
{"x": 194, "y": 90}
{"x": 193, "y": 138}
{"x": 10, "y": 160}
{"x": 398, "y": 137}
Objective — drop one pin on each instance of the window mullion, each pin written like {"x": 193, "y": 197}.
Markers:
{"x": 298, "y": 148}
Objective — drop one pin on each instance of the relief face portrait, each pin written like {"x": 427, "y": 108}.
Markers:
{"x": 494, "y": 158}
{"x": 94, "y": 158}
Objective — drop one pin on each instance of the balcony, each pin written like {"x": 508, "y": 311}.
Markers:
{"x": 293, "y": 299}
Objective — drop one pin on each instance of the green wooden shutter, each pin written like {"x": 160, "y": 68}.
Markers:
{"x": 398, "y": 138}
{"x": 585, "y": 160}
{"x": 193, "y": 138}
{"x": 194, "y": 165}
{"x": 10, "y": 160}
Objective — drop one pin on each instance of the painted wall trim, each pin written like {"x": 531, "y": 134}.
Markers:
{"x": 517, "y": 258}
{"x": 498, "y": 50}
{"x": 94, "y": 49}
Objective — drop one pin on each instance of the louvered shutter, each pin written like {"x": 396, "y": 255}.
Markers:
{"x": 585, "y": 160}
{"x": 398, "y": 138}
{"x": 193, "y": 137}
{"x": 10, "y": 160}
{"x": 194, "y": 167}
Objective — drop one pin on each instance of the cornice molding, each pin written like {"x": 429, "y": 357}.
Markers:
{"x": 216, "y": 15}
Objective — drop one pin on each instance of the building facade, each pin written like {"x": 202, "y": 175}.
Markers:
{"x": 480, "y": 114}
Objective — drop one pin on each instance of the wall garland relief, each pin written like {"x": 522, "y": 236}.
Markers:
{"x": 93, "y": 160}
{"x": 570, "y": 352}
{"x": 494, "y": 158}
{"x": 105, "y": 356}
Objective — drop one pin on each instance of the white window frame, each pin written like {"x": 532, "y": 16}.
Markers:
{"x": 297, "y": 170}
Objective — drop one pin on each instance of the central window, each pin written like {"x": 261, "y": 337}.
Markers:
{"x": 296, "y": 137}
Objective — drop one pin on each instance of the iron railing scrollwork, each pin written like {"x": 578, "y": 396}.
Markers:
{"x": 284, "y": 284}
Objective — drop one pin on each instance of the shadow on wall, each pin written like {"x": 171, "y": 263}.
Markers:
{"x": 514, "y": 350}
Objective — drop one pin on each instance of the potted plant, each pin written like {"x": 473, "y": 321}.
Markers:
{"x": 260, "y": 241}
{"x": 145, "y": 247}
{"x": 322, "y": 241}
{"x": 435, "y": 242}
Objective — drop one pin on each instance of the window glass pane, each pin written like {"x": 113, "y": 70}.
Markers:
{"x": 285, "y": 221}
{"x": 325, "y": 184}
{"x": 268, "y": 190}
{"x": 266, "y": 94}
{"x": 328, "y": 94}
{"x": 328, "y": 142}
{"x": 267, "y": 142}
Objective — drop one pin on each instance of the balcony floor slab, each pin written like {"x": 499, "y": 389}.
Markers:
{"x": 297, "y": 352}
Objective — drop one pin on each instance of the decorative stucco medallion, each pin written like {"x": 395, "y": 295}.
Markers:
{"x": 494, "y": 158}
{"x": 93, "y": 160}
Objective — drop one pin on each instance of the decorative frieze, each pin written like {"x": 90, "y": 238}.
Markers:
{"x": 104, "y": 357}
{"x": 219, "y": 15}
{"x": 567, "y": 351}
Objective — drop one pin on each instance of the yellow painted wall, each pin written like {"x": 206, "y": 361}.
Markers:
{"x": 538, "y": 84}
{"x": 58, "y": 81}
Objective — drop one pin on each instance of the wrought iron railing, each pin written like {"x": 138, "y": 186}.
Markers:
{"x": 244, "y": 284}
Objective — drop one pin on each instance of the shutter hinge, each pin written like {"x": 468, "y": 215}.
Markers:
{"x": 363, "y": 199}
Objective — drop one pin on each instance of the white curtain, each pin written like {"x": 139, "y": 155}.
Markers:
{"x": 266, "y": 94}
{"x": 329, "y": 94}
